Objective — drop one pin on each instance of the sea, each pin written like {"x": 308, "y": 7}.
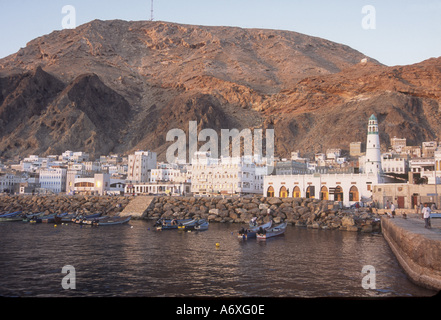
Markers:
{"x": 136, "y": 261}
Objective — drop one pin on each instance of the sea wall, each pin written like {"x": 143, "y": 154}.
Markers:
{"x": 108, "y": 205}
{"x": 417, "y": 249}
{"x": 311, "y": 213}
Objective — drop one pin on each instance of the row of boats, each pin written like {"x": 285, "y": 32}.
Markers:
{"x": 263, "y": 231}
{"x": 94, "y": 219}
{"x": 182, "y": 224}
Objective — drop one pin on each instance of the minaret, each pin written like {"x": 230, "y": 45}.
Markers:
{"x": 373, "y": 154}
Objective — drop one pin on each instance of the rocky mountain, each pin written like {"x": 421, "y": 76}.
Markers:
{"x": 118, "y": 86}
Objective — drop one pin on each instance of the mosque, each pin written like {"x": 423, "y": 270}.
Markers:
{"x": 347, "y": 188}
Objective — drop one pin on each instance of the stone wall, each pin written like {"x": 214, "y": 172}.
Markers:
{"x": 417, "y": 249}
{"x": 108, "y": 205}
{"x": 312, "y": 213}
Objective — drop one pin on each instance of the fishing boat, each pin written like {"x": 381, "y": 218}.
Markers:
{"x": 110, "y": 221}
{"x": 251, "y": 232}
{"x": 31, "y": 216}
{"x": 64, "y": 218}
{"x": 10, "y": 214}
{"x": 52, "y": 218}
{"x": 169, "y": 224}
{"x": 201, "y": 225}
{"x": 187, "y": 225}
{"x": 271, "y": 232}
{"x": 192, "y": 224}
{"x": 79, "y": 218}
{"x": 14, "y": 216}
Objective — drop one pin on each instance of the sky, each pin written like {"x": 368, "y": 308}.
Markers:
{"x": 394, "y": 32}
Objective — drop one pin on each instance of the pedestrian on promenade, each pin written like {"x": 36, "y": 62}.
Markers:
{"x": 426, "y": 216}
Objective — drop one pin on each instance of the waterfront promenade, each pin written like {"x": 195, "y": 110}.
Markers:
{"x": 417, "y": 248}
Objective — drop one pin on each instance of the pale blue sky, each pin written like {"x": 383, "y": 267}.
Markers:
{"x": 406, "y": 31}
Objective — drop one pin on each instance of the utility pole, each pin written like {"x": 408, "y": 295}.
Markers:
{"x": 151, "y": 11}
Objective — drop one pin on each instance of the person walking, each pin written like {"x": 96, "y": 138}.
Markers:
{"x": 426, "y": 216}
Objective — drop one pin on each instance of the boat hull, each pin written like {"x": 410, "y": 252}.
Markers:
{"x": 252, "y": 232}
{"x": 272, "y": 232}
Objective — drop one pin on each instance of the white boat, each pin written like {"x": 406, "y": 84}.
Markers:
{"x": 272, "y": 232}
{"x": 251, "y": 232}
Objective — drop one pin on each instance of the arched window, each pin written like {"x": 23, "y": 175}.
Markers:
{"x": 324, "y": 194}
{"x": 338, "y": 194}
{"x": 270, "y": 192}
{"x": 296, "y": 192}
{"x": 283, "y": 193}
{"x": 310, "y": 192}
{"x": 353, "y": 194}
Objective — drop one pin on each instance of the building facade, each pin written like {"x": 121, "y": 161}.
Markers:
{"x": 140, "y": 165}
{"x": 347, "y": 188}
{"x": 227, "y": 175}
{"x": 53, "y": 179}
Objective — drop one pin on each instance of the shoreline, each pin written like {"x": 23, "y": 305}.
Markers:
{"x": 302, "y": 212}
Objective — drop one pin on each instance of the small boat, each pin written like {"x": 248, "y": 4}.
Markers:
{"x": 251, "y": 233}
{"x": 64, "y": 217}
{"x": 201, "y": 224}
{"x": 192, "y": 224}
{"x": 10, "y": 214}
{"x": 15, "y": 216}
{"x": 110, "y": 221}
{"x": 79, "y": 218}
{"x": 169, "y": 224}
{"x": 272, "y": 232}
{"x": 31, "y": 216}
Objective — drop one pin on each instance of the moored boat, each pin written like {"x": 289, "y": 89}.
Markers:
{"x": 81, "y": 217}
{"x": 271, "y": 232}
{"x": 192, "y": 224}
{"x": 10, "y": 214}
{"x": 201, "y": 224}
{"x": 112, "y": 221}
{"x": 31, "y": 216}
{"x": 169, "y": 224}
{"x": 15, "y": 216}
{"x": 251, "y": 232}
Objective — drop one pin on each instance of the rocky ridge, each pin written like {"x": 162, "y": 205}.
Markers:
{"x": 118, "y": 86}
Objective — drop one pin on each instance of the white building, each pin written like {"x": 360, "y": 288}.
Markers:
{"x": 347, "y": 188}
{"x": 140, "y": 165}
{"x": 173, "y": 172}
{"x": 53, "y": 179}
{"x": 9, "y": 182}
{"x": 390, "y": 163}
{"x": 227, "y": 175}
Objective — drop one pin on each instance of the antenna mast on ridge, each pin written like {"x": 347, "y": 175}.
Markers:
{"x": 151, "y": 11}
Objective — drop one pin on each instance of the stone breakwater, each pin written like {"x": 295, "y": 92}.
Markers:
{"x": 310, "y": 213}
{"x": 108, "y": 205}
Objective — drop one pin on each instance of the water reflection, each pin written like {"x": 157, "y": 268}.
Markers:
{"x": 136, "y": 260}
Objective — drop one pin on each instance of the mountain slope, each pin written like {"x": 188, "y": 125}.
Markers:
{"x": 118, "y": 86}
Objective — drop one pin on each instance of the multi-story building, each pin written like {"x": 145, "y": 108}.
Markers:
{"x": 394, "y": 163}
{"x": 9, "y": 182}
{"x": 53, "y": 179}
{"x": 428, "y": 149}
{"x": 140, "y": 165}
{"x": 227, "y": 175}
{"x": 397, "y": 144}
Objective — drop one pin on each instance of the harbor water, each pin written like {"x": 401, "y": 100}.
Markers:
{"x": 135, "y": 260}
